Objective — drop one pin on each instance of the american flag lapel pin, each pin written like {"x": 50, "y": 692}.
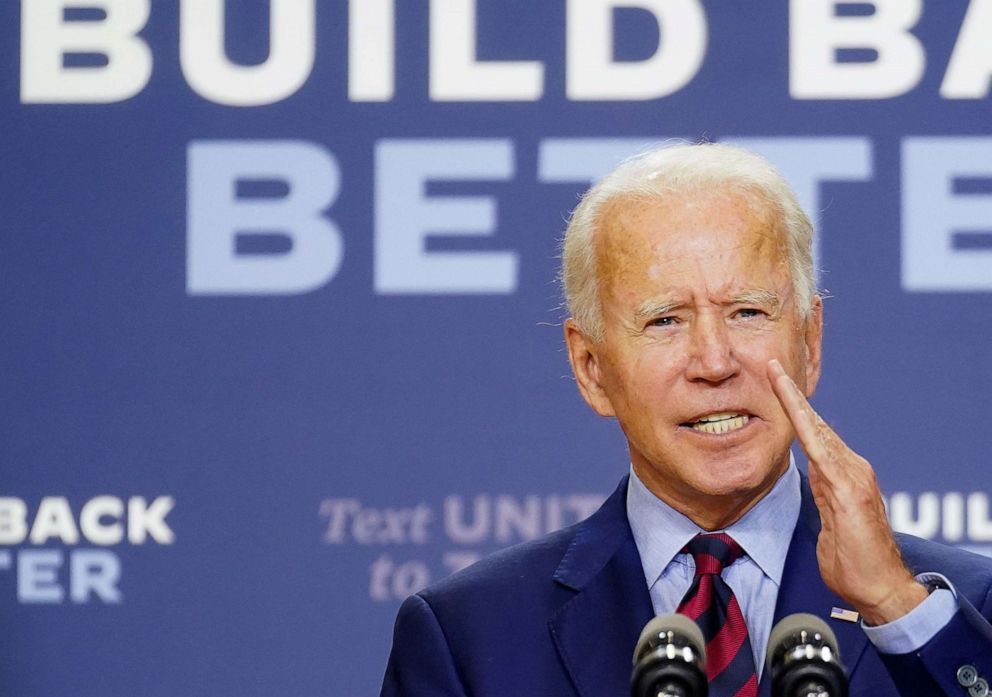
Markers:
{"x": 839, "y": 613}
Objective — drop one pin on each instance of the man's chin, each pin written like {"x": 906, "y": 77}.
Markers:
{"x": 737, "y": 480}
{"x": 716, "y": 503}
{"x": 706, "y": 479}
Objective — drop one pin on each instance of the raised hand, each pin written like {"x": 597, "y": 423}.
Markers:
{"x": 858, "y": 556}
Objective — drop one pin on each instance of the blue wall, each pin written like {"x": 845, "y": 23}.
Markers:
{"x": 280, "y": 344}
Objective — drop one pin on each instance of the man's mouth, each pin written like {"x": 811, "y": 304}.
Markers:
{"x": 724, "y": 422}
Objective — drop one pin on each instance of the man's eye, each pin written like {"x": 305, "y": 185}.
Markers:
{"x": 663, "y": 321}
{"x": 749, "y": 312}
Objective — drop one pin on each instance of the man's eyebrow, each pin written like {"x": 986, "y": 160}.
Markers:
{"x": 662, "y": 306}
{"x": 765, "y": 298}
{"x": 653, "y": 308}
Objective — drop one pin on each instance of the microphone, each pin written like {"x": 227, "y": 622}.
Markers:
{"x": 670, "y": 659}
{"x": 803, "y": 660}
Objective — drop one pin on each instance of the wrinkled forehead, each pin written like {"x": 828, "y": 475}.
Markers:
{"x": 642, "y": 229}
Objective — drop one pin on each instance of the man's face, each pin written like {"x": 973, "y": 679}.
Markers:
{"x": 697, "y": 296}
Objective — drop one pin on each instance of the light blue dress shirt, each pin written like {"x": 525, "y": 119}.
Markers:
{"x": 660, "y": 532}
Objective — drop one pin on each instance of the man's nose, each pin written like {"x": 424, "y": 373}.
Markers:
{"x": 711, "y": 353}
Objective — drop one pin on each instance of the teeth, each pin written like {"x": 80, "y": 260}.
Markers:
{"x": 720, "y": 423}
{"x": 720, "y": 417}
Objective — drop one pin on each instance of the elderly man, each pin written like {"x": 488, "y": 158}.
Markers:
{"x": 695, "y": 322}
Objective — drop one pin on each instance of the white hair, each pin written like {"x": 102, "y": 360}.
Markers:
{"x": 674, "y": 171}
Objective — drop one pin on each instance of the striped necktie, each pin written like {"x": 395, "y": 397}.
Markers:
{"x": 711, "y": 603}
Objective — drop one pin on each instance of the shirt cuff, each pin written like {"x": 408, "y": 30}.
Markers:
{"x": 918, "y": 626}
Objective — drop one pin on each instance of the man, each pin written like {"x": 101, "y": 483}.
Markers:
{"x": 695, "y": 322}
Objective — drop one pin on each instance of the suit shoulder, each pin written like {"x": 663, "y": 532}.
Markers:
{"x": 970, "y": 573}
{"x": 536, "y": 576}
{"x": 512, "y": 570}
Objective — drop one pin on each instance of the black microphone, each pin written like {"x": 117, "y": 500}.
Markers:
{"x": 803, "y": 659}
{"x": 670, "y": 659}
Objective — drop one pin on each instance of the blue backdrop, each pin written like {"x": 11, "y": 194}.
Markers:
{"x": 280, "y": 329}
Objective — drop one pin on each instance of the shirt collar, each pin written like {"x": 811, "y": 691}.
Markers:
{"x": 764, "y": 532}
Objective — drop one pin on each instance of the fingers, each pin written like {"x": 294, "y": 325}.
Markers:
{"x": 857, "y": 555}
{"x": 811, "y": 430}
{"x": 829, "y": 456}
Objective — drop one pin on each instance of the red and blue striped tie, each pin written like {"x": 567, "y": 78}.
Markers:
{"x": 711, "y": 603}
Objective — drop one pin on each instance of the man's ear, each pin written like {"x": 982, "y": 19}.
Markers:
{"x": 584, "y": 355}
{"x": 813, "y": 340}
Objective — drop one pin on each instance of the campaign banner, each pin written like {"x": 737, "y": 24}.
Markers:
{"x": 282, "y": 335}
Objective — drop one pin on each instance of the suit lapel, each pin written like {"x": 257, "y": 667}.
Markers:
{"x": 803, "y": 590}
{"x": 595, "y": 631}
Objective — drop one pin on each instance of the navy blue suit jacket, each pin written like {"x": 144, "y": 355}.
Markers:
{"x": 560, "y": 616}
